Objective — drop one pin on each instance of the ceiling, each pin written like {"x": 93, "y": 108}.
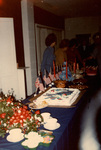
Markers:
{"x": 71, "y": 8}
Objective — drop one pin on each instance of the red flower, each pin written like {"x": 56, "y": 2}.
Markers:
{"x": 3, "y": 115}
{"x": 37, "y": 112}
{"x": 9, "y": 99}
{"x": 25, "y": 107}
{"x": 37, "y": 121}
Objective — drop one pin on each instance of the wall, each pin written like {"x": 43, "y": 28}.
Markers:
{"x": 29, "y": 44}
{"x": 10, "y": 76}
{"x": 29, "y": 40}
{"x": 86, "y": 25}
{"x": 46, "y": 18}
{"x": 12, "y": 9}
{"x": 46, "y": 23}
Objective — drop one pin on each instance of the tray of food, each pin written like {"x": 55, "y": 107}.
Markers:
{"x": 81, "y": 81}
{"x": 38, "y": 105}
{"x": 78, "y": 86}
{"x": 91, "y": 70}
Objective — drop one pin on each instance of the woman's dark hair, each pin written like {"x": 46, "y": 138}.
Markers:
{"x": 64, "y": 43}
{"x": 51, "y": 38}
{"x": 73, "y": 42}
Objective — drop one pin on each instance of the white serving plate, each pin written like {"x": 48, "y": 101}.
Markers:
{"x": 38, "y": 106}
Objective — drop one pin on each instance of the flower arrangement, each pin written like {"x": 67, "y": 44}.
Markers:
{"x": 14, "y": 114}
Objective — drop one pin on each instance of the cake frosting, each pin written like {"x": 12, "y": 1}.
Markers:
{"x": 59, "y": 96}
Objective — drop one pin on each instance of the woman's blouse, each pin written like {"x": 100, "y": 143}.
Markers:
{"x": 61, "y": 56}
{"x": 48, "y": 58}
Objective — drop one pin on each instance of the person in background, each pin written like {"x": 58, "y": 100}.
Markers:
{"x": 96, "y": 54}
{"x": 61, "y": 52}
{"x": 96, "y": 39}
{"x": 84, "y": 49}
{"x": 48, "y": 55}
{"x": 73, "y": 53}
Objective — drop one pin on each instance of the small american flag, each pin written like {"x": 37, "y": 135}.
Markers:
{"x": 47, "y": 80}
{"x": 39, "y": 84}
{"x": 51, "y": 76}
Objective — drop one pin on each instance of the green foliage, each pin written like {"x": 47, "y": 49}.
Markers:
{"x": 16, "y": 115}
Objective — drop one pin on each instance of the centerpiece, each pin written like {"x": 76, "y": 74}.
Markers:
{"x": 14, "y": 114}
{"x": 60, "y": 83}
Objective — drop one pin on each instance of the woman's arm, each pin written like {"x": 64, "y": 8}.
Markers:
{"x": 44, "y": 62}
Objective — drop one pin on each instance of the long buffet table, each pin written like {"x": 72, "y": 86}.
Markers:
{"x": 65, "y": 117}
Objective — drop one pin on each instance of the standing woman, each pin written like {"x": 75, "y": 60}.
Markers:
{"x": 48, "y": 56}
{"x": 61, "y": 52}
{"x": 73, "y": 53}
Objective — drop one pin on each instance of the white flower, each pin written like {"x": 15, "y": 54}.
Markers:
{"x": 7, "y": 131}
{"x": 6, "y": 95}
{"x": 21, "y": 116}
{"x": 24, "y": 124}
{"x": 19, "y": 111}
{"x": 7, "y": 103}
{"x": 15, "y": 124}
{"x": 31, "y": 119}
{"x": 5, "y": 124}
{"x": 37, "y": 118}
{"x": 8, "y": 117}
{"x": 24, "y": 120}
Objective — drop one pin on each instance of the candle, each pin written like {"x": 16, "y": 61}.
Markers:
{"x": 57, "y": 69}
{"x": 54, "y": 69}
{"x": 77, "y": 66}
{"x": 75, "y": 62}
{"x": 66, "y": 71}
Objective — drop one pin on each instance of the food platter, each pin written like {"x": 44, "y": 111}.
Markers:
{"x": 80, "y": 84}
{"x": 91, "y": 74}
{"x": 91, "y": 71}
{"x": 80, "y": 81}
{"x": 36, "y": 105}
{"x": 80, "y": 87}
